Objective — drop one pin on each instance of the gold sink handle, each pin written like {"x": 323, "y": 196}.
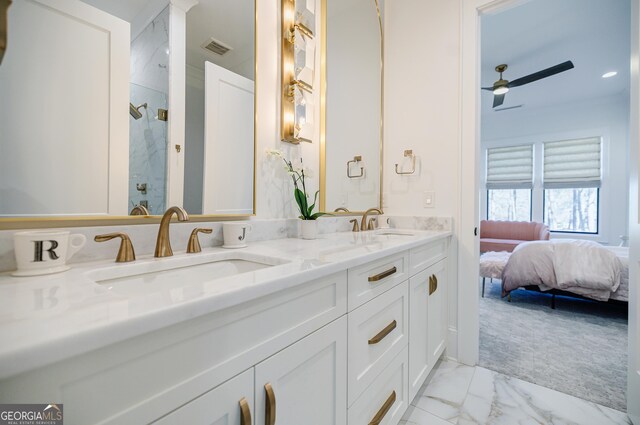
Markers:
{"x": 126, "y": 253}
{"x": 194, "y": 244}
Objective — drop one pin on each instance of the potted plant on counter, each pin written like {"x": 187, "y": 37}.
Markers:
{"x": 309, "y": 225}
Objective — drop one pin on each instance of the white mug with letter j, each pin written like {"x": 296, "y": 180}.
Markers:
{"x": 45, "y": 252}
{"x": 235, "y": 234}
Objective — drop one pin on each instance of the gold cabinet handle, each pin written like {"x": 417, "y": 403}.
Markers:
{"x": 386, "y": 331}
{"x": 194, "y": 244}
{"x": 384, "y": 410}
{"x": 382, "y": 275}
{"x": 433, "y": 284}
{"x": 270, "y": 405}
{"x": 126, "y": 252}
{"x": 245, "y": 412}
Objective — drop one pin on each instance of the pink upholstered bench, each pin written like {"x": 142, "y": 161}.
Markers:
{"x": 506, "y": 235}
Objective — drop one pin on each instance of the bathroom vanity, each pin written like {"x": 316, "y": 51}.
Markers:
{"x": 342, "y": 329}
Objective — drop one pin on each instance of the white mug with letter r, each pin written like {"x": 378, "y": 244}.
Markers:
{"x": 45, "y": 252}
{"x": 235, "y": 234}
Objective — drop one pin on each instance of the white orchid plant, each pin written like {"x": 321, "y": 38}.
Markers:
{"x": 300, "y": 195}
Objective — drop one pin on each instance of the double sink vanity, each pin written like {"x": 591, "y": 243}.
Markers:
{"x": 341, "y": 329}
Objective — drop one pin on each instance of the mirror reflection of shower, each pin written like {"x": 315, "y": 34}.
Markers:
{"x": 148, "y": 139}
{"x": 135, "y": 110}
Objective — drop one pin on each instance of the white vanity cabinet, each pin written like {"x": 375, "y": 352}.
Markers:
{"x": 306, "y": 380}
{"x": 437, "y": 309}
{"x": 427, "y": 322}
{"x": 349, "y": 348}
{"x": 305, "y": 383}
{"x": 409, "y": 295}
{"x": 231, "y": 403}
{"x": 427, "y": 310}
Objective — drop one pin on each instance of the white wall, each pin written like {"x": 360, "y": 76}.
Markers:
{"x": 422, "y": 112}
{"x": 422, "y": 65}
{"x": 608, "y": 117}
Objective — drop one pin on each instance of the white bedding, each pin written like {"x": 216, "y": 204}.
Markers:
{"x": 582, "y": 267}
{"x": 622, "y": 293}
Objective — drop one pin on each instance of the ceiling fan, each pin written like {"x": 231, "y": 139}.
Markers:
{"x": 501, "y": 87}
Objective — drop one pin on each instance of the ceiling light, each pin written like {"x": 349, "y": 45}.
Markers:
{"x": 500, "y": 90}
{"x": 609, "y": 74}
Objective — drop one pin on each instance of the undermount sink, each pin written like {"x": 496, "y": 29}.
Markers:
{"x": 391, "y": 232}
{"x": 179, "y": 271}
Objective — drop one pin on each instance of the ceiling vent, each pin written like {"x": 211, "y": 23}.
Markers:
{"x": 215, "y": 46}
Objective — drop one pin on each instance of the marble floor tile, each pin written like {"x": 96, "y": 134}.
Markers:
{"x": 496, "y": 399}
{"x": 446, "y": 390}
{"x": 416, "y": 416}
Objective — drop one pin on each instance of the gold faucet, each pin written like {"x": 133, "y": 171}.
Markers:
{"x": 163, "y": 243}
{"x": 363, "y": 223}
{"x": 139, "y": 210}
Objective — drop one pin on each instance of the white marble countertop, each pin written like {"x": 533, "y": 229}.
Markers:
{"x": 46, "y": 319}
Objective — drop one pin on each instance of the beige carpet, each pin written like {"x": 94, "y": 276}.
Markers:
{"x": 580, "y": 348}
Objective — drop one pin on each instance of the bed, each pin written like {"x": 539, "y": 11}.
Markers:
{"x": 562, "y": 267}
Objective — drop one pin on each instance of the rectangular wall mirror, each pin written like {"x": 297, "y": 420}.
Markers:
{"x": 86, "y": 118}
{"x": 351, "y": 105}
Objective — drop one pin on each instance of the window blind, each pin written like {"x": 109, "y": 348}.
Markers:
{"x": 510, "y": 167}
{"x": 573, "y": 163}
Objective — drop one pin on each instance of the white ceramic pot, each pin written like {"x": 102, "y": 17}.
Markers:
{"x": 309, "y": 229}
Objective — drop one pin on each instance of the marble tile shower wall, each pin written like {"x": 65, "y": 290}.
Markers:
{"x": 144, "y": 236}
{"x": 148, "y": 135}
{"x": 148, "y": 150}
{"x": 150, "y": 55}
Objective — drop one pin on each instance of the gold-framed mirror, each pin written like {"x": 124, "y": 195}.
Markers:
{"x": 351, "y": 105}
{"x": 103, "y": 110}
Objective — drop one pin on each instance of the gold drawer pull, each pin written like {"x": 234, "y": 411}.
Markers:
{"x": 433, "y": 284}
{"x": 245, "y": 412}
{"x": 384, "y": 410}
{"x": 386, "y": 331}
{"x": 270, "y": 406}
{"x": 382, "y": 275}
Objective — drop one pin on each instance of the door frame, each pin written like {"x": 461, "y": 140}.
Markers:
{"x": 469, "y": 213}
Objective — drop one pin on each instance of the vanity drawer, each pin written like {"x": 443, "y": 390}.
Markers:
{"x": 372, "y": 279}
{"x": 387, "y": 397}
{"x": 378, "y": 331}
{"x": 424, "y": 256}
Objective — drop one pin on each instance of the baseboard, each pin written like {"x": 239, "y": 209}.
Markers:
{"x": 451, "y": 352}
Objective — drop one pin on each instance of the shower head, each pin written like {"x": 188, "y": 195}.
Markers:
{"x": 135, "y": 111}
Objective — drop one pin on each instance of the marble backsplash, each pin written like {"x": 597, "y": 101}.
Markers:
{"x": 144, "y": 236}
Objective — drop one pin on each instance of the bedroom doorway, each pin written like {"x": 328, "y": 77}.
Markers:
{"x": 554, "y": 123}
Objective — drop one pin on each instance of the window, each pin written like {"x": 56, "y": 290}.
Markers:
{"x": 572, "y": 175}
{"x": 509, "y": 183}
{"x": 571, "y": 210}
{"x": 509, "y": 204}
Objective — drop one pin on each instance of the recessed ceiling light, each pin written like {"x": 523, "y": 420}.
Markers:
{"x": 610, "y": 74}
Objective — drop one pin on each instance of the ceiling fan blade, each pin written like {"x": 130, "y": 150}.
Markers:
{"x": 562, "y": 67}
{"x": 498, "y": 100}
{"x": 487, "y": 88}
